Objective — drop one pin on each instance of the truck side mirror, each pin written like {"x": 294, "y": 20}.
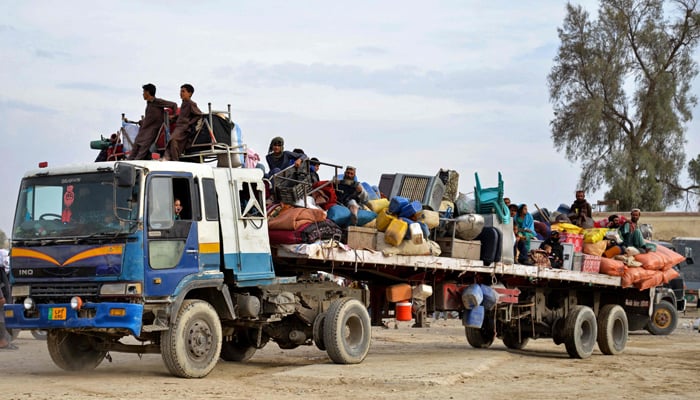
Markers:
{"x": 689, "y": 256}
{"x": 125, "y": 175}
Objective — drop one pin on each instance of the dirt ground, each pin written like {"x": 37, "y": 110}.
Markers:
{"x": 403, "y": 363}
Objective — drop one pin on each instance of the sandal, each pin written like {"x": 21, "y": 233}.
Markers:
{"x": 10, "y": 346}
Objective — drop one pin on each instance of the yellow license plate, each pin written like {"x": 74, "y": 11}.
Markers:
{"x": 57, "y": 314}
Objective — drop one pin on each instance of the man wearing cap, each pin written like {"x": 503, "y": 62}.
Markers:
{"x": 153, "y": 119}
{"x": 278, "y": 158}
{"x": 314, "y": 165}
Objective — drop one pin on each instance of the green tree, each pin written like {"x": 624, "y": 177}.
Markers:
{"x": 620, "y": 89}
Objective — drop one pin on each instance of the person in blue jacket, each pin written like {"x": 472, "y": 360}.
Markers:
{"x": 278, "y": 159}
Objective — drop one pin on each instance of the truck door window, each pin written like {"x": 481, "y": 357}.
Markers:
{"x": 160, "y": 203}
{"x": 211, "y": 204}
{"x": 252, "y": 203}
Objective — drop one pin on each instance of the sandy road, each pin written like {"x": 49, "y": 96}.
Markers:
{"x": 404, "y": 363}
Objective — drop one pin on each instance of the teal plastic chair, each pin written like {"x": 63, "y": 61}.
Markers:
{"x": 490, "y": 200}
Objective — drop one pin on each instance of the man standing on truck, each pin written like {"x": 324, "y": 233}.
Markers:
{"x": 632, "y": 235}
{"x": 150, "y": 124}
{"x": 189, "y": 112}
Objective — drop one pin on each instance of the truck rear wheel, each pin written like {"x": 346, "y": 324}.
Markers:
{"x": 318, "y": 331}
{"x": 347, "y": 331}
{"x": 191, "y": 347}
{"x": 580, "y": 332}
{"x": 237, "y": 348}
{"x": 512, "y": 341}
{"x": 481, "y": 338}
{"x": 73, "y": 351}
{"x": 664, "y": 319}
{"x": 612, "y": 329}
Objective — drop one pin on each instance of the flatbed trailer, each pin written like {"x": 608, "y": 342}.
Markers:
{"x": 576, "y": 308}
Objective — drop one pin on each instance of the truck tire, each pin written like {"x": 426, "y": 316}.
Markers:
{"x": 511, "y": 340}
{"x": 612, "y": 329}
{"x": 664, "y": 319}
{"x": 74, "y": 352}
{"x": 238, "y": 348}
{"x": 580, "y": 332}
{"x": 192, "y": 345}
{"x": 347, "y": 331}
{"x": 481, "y": 338}
{"x": 318, "y": 331}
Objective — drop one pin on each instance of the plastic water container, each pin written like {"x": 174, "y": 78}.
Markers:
{"x": 430, "y": 218}
{"x": 396, "y": 204}
{"x": 474, "y": 318}
{"x": 490, "y": 296}
{"x": 472, "y": 296}
{"x": 410, "y": 209}
{"x": 416, "y": 233}
{"x": 403, "y": 311}
{"x": 395, "y": 232}
{"x": 378, "y": 205}
{"x": 383, "y": 220}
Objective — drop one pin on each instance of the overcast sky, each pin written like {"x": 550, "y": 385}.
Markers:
{"x": 393, "y": 86}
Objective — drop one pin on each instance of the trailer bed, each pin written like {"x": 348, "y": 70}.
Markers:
{"x": 405, "y": 267}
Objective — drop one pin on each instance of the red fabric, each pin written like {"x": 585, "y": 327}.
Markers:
{"x": 329, "y": 195}
{"x": 287, "y": 237}
{"x": 291, "y": 219}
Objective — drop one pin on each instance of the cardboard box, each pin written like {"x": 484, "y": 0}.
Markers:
{"x": 591, "y": 264}
{"x": 399, "y": 292}
{"x": 457, "y": 248}
{"x": 362, "y": 238}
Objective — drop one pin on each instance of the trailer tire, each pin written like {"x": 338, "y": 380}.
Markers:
{"x": 347, "y": 331}
{"x": 612, "y": 329}
{"x": 663, "y": 320}
{"x": 481, "y": 338}
{"x": 74, "y": 352}
{"x": 511, "y": 340}
{"x": 191, "y": 348}
{"x": 318, "y": 331}
{"x": 580, "y": 332}
{"x": 239, "y": 348}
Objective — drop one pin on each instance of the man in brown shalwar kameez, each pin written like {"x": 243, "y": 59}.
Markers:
{"x": 150, "y": 124}
{"x": 189, "y": 112}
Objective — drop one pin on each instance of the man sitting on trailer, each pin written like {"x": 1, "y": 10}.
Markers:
{"x": 150, "y": 124}
{"x": 349, "y": 188}
{"x": 632, "y": 235}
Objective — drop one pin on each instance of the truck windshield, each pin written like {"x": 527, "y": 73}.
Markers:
{"x": 73, "y": 206}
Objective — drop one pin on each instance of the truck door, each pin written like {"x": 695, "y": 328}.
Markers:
{"x": 171, "y": 247}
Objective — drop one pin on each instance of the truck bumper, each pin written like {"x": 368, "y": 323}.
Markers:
{"x": 62, "y": 316}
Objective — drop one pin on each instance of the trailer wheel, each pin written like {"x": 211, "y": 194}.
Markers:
{"x": 318, "y": 331}
{"x": 347, "y": 331}
{"x": 511, "y": 340}
{"x": 580, "y": 332}
{"x": 239, "y": 348}
{"x": 664, "y": 319}
{"x": 612, "y": 329}
{"x": 481, "y": 338}
{"x": 191, "y": 348}
{"x": 74, "y": 352}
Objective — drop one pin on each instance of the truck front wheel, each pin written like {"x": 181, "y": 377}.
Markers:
{"x": 347, "y": 331}
{"x": 192, "y": 345}
{"x": 580, "y": 332}
{"x": 73, "y": 351}
{"x": 664, "y": 319}
{"x": 612, "y": 329}
{"x": 238, "y": 347}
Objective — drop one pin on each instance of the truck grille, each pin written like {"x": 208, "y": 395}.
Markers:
{"x": 65, "y": 290}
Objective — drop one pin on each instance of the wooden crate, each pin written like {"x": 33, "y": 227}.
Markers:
{"x": 362, "y": 238}
{"x": 457, "y": 248}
